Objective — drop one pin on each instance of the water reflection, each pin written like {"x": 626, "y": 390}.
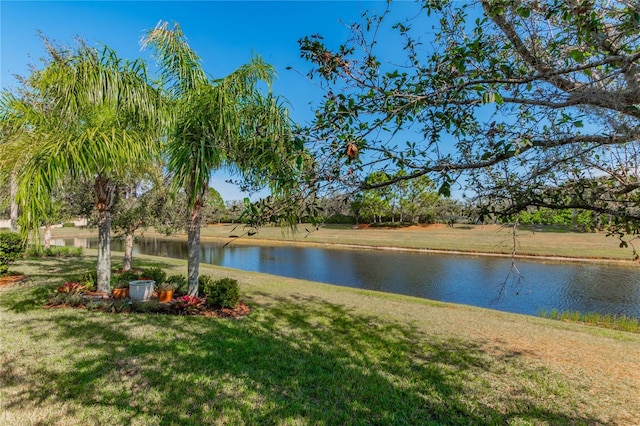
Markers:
{"x": 477, "y": 281}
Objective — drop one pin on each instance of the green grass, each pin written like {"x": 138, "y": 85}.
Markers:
{"x": 54, "y": 251}
{"x": 615, "y": 322}
{"x": 307, "y": 354}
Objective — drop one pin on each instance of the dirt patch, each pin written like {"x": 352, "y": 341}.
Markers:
{"x": 423, "y": 226}
{"x": 403, "y": 227}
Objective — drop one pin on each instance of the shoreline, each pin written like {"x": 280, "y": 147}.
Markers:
{"x": 244, "y": 240}
{"x": 267, "y": 241}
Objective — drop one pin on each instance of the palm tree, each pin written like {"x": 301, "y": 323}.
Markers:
{"x": 7, "y": 136}
{"x": 219, "y": 123}
{"x": 90, "y": 115}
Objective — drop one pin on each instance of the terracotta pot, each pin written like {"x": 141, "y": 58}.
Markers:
{"x": 165, "y": 295}
{"x": 120, "y": 293}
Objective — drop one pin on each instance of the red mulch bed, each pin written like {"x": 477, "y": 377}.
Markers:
{"x": 241, "y": 310}
{"x": 12, "y": 279}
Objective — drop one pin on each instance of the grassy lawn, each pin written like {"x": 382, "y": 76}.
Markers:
{"x": 308, "y": 354}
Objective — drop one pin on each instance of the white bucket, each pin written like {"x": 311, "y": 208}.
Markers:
{"x": 141, "y": 290}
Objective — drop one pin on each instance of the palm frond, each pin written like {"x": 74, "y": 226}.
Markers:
{"x": 89, "y": 113}
{"x": 181, "y": 71}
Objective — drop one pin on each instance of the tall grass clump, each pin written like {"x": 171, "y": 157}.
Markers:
{"x": 612, "y": 321}
{"x": 54, "y": 251}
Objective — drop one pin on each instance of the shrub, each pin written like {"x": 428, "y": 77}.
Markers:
{"x": 204, "y": 281}
{"x": 150, "y": 307}
{"x": 223, "y": 293}
{"x": 340, "y": 218}
{"x": 126, "y": 276}
{"x": 71, "y": 288}
{"x": 155, "y": 274}
{"x": 68, "y": 225}
{"x": 95, "y": 305}
{"x": 121, "y": 280}
{"x": 119, "y": 306}
{"x": 71, "y": 299}
{"x": 33, "y": 251}
{"x": 111, "y": 306}
{"x": 87, "y": 279}
{"x": 11, "y": 248}
{"x": 180, "y": 281}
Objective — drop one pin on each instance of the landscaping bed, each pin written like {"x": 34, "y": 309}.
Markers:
{"x": 219, "y": 298}
{"x": 112, "y": 305}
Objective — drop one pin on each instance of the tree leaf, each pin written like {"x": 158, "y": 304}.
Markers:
{"x": 577, "y": 56}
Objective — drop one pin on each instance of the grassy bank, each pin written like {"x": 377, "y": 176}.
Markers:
{"x": 308, "y": 354}
{"x": 460, "y": 238}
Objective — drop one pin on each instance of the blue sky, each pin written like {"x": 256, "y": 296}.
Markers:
{"x": 224, "y": 33}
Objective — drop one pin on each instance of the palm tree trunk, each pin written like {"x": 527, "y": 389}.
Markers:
{"x": 128, "y": 251}
{"x": 104, "y": 250}
{"x": 47, "y": 236}
{"x": 193, "y": 246}
{"x": 104, "y": 191}
{"x": 13, "y": 216}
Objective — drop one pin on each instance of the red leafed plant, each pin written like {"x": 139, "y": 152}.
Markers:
{"x": 188, "y": 305}
{"x": 71, "y": 288}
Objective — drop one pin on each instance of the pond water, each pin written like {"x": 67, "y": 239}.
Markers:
{"x": 488, "y": 282}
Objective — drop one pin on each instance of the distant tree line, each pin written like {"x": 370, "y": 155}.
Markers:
{"x": 406, "y": 202}
{"x": 145, "y": 204}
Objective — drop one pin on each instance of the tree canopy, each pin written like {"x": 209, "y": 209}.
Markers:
{"x": 88, "y": 115}
{"x": 220, "y": 123}
{"x": 531, "y": 103}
